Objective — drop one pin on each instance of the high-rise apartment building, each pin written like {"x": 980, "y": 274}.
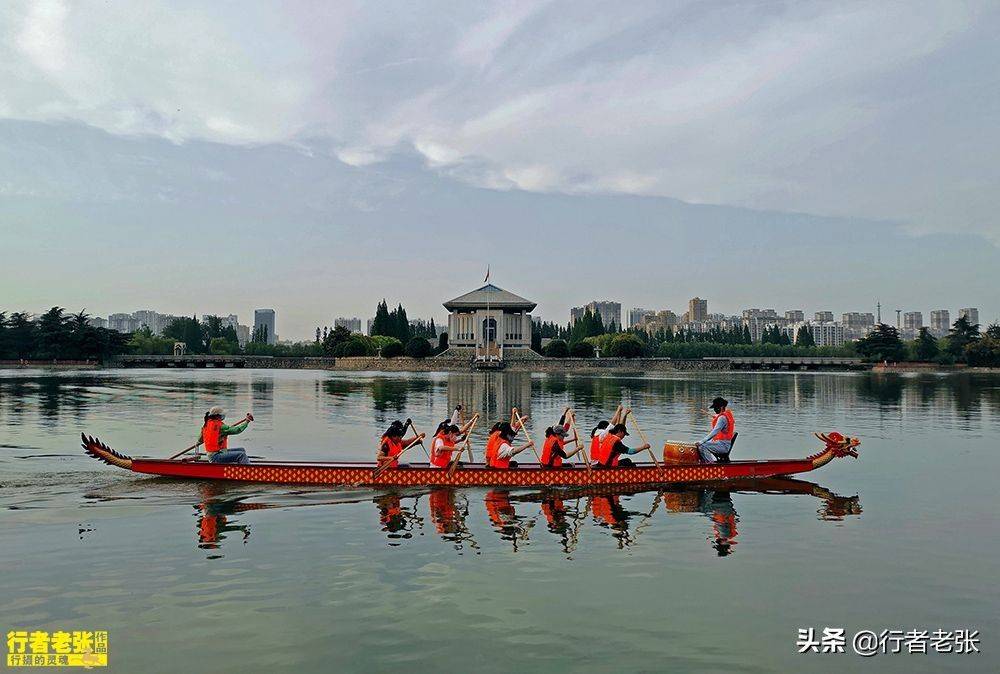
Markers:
{"x": 637, "y": 316}
{"x": 940, "y": 322}
{"x": 823, "y": 317}
{"x": 608, "y": 311}
{"x": 697, "y": 309}
{"x": 912, "y": 322}
{"x": 263, "y": 319}
{"x": 352, "y": 324}
{"x": 971, "y": 314}
{"x": 795, "y": 316}
{"x": 825, "y": 333}
{"x": 857, "y": 324}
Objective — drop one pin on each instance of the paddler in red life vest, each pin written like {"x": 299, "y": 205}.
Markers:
{"x": 392, "y": 443}
{"x": 215, "y": 435}
{"x": 500, "y": 448}
{"x": 554, "y": 449}
{"x": 600, "y": 432}
{"x": 718, "y": 443}
{"x": 447, "y": 438}
{"x": 612, "y": 451}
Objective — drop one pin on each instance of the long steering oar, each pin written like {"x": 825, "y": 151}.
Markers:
{"x": 520, "y": 422}
{"x": 248, "y": 417}
{"x": 642, "y": 435}
{"x": 579, "y": 442}
{"x": 466, "y": 446}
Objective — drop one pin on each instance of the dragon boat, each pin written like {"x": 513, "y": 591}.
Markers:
{"x": 679, "y": 466}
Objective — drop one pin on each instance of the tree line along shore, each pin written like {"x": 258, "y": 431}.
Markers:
{"x": 58, "y": 335}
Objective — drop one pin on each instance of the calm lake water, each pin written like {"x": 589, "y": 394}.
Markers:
{"x": 200, "y": 577}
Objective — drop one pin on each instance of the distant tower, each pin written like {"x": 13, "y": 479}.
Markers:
{"x": 898, "y": 324}
{"x": 879, "y": 310}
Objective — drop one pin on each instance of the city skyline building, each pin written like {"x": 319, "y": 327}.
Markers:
{"x": 940, "y": 322}
{"x": 353, "y": 324}
{"x": 697, "y": 310}
{"x": 637, "y": 316}
{"x": 823, "y": 317}
{"x": 971, "y": 314}
{"x": 265, "y": 319}
{"x": 608, "y": 311}
{"x": 795, "y": 315}
{"x": 912, "y": 322}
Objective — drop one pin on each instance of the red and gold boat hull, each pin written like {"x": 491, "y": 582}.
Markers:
{"x": 474, "y": 475}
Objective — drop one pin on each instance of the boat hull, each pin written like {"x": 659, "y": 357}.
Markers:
{"x": 474, "y": 475}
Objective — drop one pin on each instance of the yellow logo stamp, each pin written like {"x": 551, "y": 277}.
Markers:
{"x": 37, "y": 648}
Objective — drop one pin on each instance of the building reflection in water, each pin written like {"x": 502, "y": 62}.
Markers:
{"x": 513, "y": 515}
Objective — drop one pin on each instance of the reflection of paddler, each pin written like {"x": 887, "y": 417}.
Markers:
{"x": 608, "y": 509}
{"x": 499, "y": 508}
{"x": 444, "y": 514}
{"x": 212, "y": 521}
{"x": 718, "y": 505}
{"x": 390, "y": 512}
{"x": 555, "y": 514}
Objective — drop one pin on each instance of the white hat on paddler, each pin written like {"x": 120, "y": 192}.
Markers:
{"x": 217, "y": 412}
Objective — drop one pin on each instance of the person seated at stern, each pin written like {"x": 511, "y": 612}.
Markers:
{"x": 215, "y": 435}
{"x": 719, "y": 442}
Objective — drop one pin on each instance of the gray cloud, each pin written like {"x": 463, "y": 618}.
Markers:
{"x": 850, "y": 109}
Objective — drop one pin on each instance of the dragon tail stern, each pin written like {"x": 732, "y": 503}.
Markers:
{"x": 102, "y": 452}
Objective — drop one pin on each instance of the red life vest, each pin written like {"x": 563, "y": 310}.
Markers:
{"x": 549, "y": 457}
{"x": 492, "y": 446}
{"x": 495, "y": 460}
{"x": 211, "y": 434}
{"x": 395, "y": 447}
{"x": 595, "y": 448}
{"x": 442, "y": 457}
{"x": 730, "y": 429}
{"x": 608, "y": 457}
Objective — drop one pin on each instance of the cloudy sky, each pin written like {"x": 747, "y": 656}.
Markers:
{"x": 315, "y": 157}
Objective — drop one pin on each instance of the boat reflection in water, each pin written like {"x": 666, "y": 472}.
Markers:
{"x": 513, "y": 514}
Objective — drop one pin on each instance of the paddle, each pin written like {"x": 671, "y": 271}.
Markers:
{"x": 248, "y": 417}
{"x": 579, "y": 443}
{"x": 643, "y": 436}
{"x": 468, "y": 446}
{"x": 520, "y": 422}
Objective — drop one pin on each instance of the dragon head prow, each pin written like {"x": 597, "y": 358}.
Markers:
{"x": 839, "y": 444}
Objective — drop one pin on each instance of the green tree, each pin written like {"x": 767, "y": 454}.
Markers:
{"x": 189, "y": 331}
{"x": 382, "y": 324}
{"x": 925, "y": 346}
{"x": 582, "y": 350}
{"x": 52, "y": 333}
{"x": 624, "y": 345}
{"x": 391, "y": 348}
{"x": 557, "y": 348}
{"x": 882, "y": 343}
{"x": 334, "y": 338}
{"x": 983, "y": 352}
{"x": 804, "y": 336}
{"x": 442, "y": 342}
{"x": 993, "y": 331}
{"x": 419, "y": 347}
{"x": 962, "y": 334}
